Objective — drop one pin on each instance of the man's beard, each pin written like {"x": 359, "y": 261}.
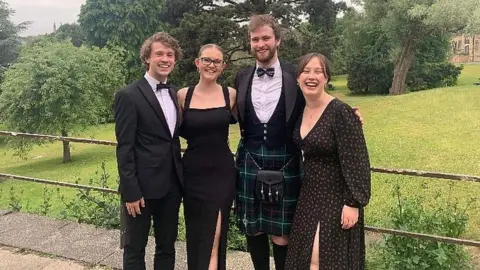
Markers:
{"x": 267, "y": 58}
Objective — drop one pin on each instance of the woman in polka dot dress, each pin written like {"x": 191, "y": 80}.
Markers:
{"x": 328, "y": 227}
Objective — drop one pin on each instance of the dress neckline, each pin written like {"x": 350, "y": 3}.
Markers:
{"x": 316, "y": 123}
{"x": 207, "y": 109}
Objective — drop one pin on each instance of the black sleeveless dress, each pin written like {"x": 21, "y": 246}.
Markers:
{"x": 209, "y": 179}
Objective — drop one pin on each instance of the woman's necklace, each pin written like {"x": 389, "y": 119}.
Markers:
{"x": 310, "y": 113}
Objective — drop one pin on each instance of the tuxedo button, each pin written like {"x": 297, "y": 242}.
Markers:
{"x": 265, "y": 125}
{"x": 265, "y": 138}
{"x": 265, "y": 131}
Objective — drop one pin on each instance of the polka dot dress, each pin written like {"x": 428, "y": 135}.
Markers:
{"x": 336, "y": 173}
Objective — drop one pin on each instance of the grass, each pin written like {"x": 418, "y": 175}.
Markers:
{"x": 433, "y": 130}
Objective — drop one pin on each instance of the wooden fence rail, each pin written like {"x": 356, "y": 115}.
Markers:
{"x": 437, "y": 238}
{"x": 422, "y": 236}
{"x": 449, "y": 176}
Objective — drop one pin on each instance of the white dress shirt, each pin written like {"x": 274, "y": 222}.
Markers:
{"x": 266, "y": 93}
{"x": 166, "y": 102}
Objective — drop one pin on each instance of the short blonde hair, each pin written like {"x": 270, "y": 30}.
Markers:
{"x": 166, "y": 39}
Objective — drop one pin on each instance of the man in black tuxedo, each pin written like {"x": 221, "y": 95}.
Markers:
{"x": 148, "y": 156}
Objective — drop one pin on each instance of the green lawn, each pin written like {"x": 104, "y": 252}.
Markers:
{"x": 433, "y": 130}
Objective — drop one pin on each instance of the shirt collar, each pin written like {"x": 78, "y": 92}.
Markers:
{"x": 152, "y": 81}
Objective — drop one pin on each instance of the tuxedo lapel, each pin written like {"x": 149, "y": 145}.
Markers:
{"x": 291, "y": 91}
{"x": 243, "y": 85}
{"x": 152, "y": 99}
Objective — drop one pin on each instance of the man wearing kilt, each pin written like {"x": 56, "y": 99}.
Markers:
{"x": 269, "y": 103}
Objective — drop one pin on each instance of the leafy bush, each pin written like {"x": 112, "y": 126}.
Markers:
{"x": 103, "y": 210}
{"x": 443, "y": 216}
{"x": 235, "y": 239}
{"x": 433, "y": 75}
{"x": 15, "y": 203}
{"x": 44, "y": 209}
{"x": 93, "y": 207}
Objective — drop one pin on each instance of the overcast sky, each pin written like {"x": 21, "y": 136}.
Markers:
{"x": 43, "y": 13}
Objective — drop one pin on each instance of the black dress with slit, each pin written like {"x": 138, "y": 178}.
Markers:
{"x": 336, "y": 173}
{"x": 209, "y": 180}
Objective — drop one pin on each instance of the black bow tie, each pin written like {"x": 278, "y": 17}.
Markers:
{"x": 161, "y": 86}
{"x": 269, "y": 71}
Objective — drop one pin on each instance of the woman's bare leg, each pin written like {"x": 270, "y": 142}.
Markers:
{"x": 315, "y": 262}
{"x": 214, "y": 255}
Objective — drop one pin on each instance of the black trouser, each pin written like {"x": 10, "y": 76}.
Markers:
{"x": 165, "y": 225}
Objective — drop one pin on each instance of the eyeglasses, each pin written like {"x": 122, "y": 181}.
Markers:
{"x": 207, "y": 61}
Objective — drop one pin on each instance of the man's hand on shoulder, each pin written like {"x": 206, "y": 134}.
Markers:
{"x": 356, "y": 110}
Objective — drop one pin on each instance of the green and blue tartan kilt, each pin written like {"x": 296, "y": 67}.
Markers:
{"x": 252, "y": 216}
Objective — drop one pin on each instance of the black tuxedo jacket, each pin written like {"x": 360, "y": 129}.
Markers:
{"x": 148, "y": 156}
{"x": 294, "y": 100}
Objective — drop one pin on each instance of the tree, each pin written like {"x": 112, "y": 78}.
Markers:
{"x": 367, "y": 56}
{"x": 367, "y": 51}
{"x": 56, "y": 88}
{"x": 223, "y": 23}
{"x": 430, "y": 68}
{"x": 407, "y": 22}
{"x": 197, "y": 22}
{"x": 322, "y": 16}
{"x": 73, "y": 31}
{"x": 9, "y": 39}
{"x": 123, "y": 23}
{"x": 338, "y": 57}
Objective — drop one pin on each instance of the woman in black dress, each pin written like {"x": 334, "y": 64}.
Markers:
{"x": 328, "y": 227}
{"x": 209, "y": 169}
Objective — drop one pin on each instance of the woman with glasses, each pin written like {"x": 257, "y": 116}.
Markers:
{"x": 209, "y": 169}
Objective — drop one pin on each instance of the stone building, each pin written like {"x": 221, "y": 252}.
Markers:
{"x": 465, "y": 49}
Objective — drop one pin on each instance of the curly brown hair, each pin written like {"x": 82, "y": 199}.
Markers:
{"x": 257, "y": 21}
{"x": 166, "y": 39}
